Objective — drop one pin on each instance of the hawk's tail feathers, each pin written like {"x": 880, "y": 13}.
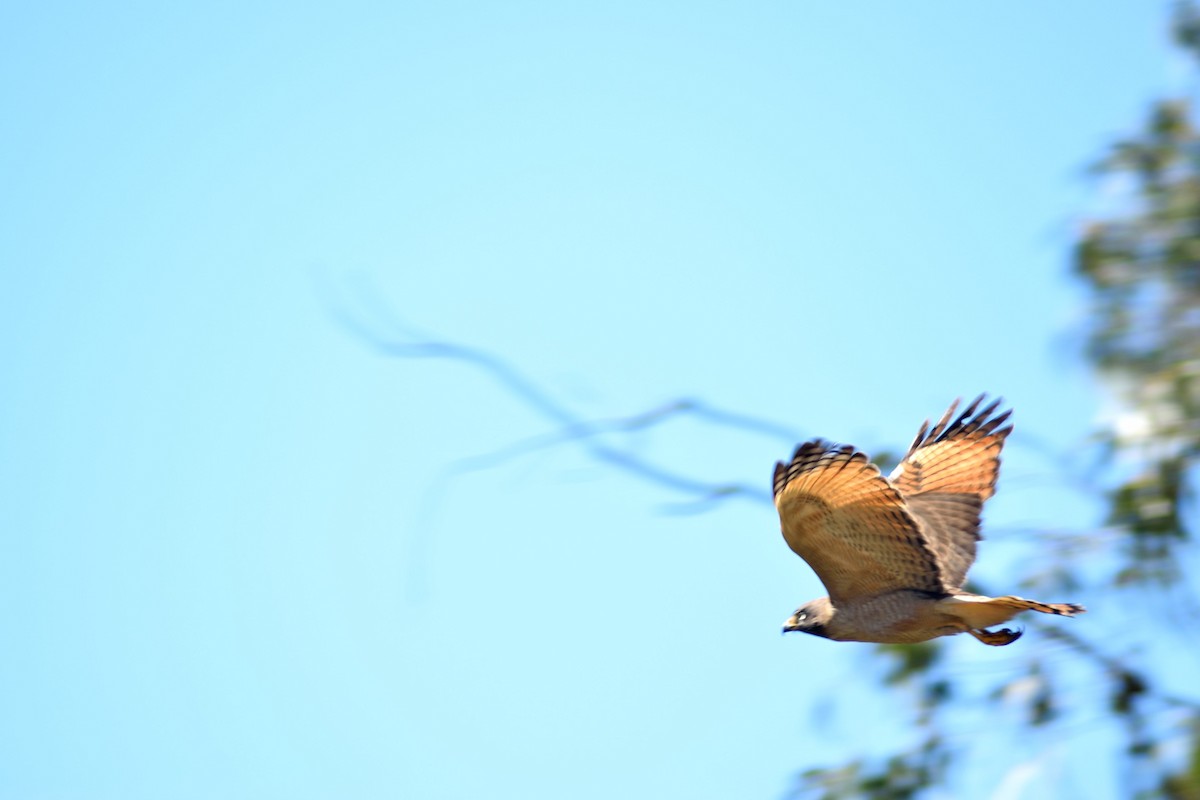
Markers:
{"x": 979, "y": 611}
{"x": 1021, "y": 604}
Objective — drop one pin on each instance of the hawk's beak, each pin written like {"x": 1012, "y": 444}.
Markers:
{"x": 791, "y": 626}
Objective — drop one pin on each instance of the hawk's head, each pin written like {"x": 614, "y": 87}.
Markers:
{"x": 811, "y": 618}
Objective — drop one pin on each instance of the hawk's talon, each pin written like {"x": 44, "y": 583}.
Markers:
{"x": 997, "y": 638}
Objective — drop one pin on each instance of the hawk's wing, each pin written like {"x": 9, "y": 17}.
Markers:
{"x": 851, "y": 525}
{"x": 948, "y": 472}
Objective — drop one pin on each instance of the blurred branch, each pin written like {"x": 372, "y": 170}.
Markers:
{"x": 391, "y": 337}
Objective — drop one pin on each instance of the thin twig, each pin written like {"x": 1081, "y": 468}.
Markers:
{"x": 392, "y": 338}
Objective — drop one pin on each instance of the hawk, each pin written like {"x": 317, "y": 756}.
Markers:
{"x": 894, "y": 552}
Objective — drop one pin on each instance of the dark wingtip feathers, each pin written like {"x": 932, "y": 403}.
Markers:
{"x": 972, "y": 421}
{"x": 814, "y": 453}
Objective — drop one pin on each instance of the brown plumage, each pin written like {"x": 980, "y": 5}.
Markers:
{"x": 894, "y": 552}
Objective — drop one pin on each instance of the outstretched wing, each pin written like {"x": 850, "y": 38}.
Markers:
{"x": 948, "y": 472}
{"x": 851, "y": 525}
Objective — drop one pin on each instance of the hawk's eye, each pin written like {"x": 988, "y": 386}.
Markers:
{"x": 802, "y": 617}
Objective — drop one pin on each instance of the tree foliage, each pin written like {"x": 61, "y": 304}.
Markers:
{"x": 1141, "y": 266}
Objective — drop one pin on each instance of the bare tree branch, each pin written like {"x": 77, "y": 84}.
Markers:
{"x": 391, "y": 337}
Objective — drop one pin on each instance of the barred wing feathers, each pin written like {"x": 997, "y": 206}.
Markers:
{"x": 946, "y": 476}
{"x": 851, "y": 525}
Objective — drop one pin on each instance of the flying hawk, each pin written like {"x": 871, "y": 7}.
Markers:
{"x": 894, "y": 552}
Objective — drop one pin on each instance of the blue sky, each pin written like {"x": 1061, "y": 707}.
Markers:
{"x": 232, "y": 563}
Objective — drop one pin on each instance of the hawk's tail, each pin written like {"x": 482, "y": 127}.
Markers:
{"x": 979, "y": 612}
{"x": 1021, "y": 604}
